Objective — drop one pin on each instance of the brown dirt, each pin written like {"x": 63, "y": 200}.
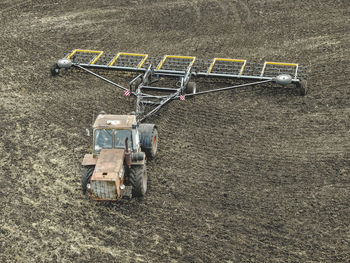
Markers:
{"x": 252, "y": 175}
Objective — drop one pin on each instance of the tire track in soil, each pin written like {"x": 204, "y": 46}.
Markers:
{"x": 237, "y": 11}
{"x": 15, "y": 6}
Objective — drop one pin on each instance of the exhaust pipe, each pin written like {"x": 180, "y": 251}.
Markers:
{"x": 127, "y": 153}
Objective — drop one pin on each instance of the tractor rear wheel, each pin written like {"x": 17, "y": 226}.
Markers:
{"x": 85, "y": 178}
{"x": 152, "y": 152}
{"x": 138, "y": 180}
{"x": 149, "y": 139}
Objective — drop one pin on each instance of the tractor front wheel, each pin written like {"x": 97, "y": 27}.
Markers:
{"x": 85, "y": 178}
{"x": 138, "y": 180}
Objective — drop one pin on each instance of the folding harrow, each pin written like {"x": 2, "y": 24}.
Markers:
{"x": 116, "y": 168}
{"x": 184, "y": 69}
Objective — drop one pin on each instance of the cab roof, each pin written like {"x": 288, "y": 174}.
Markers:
{"x": 110, "y": 121}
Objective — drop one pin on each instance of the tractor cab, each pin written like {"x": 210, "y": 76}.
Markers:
{"x": 114, "y": 132}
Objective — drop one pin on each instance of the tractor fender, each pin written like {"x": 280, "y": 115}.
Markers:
{"x": 137, "y": 157}
{"x": 89, "y": 159}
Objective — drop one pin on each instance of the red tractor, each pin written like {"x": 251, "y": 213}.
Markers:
{"x": 116, "y": 167}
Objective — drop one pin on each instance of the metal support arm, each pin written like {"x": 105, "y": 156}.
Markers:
{"x": 229, "y": 88}
{"x": 102, "y": 78}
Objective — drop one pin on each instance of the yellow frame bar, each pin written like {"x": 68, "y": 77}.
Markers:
{"x": 280, "y": 64}
{"x": 87, "y": 51}
{"x": 130, "y": 54}
{"x": 228, "y": 59}
{"x": 171, "y": 56}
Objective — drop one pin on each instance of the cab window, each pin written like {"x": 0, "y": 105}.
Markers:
{"x": 120, "y": 136}
{"x": 103, "y": 139}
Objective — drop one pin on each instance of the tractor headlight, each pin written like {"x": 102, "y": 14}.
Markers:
{"x": 121, "y": 173}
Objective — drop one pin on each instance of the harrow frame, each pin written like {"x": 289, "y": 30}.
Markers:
{"x": 183, "y": 68}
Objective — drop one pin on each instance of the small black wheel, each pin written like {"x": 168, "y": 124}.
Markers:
{"x": 303, "y": 87}
{"x": 85, "y": 178}
{"x": 55, "y": 70}
{"x": 191, "y": 87}
{"x": 138, "y": 180}
{"x": 136, "y": 84}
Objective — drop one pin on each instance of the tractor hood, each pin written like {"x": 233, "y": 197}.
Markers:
{"x": 109, "y": 164}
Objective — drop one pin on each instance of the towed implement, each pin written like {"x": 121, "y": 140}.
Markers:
{"x": 122, "y": 144}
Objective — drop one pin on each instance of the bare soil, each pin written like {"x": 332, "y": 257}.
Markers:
{"x": 252, "y": 175}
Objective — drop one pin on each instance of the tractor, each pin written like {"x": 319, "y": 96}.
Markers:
{"x": 116, "y": 168}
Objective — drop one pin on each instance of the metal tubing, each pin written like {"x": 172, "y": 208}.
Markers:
{"x": 230, "y": 60}
{"x": 158, "y": 88}
{"x": 159, "y": 106}
{"x": 169, "y": 72}
{"x": 132, "y": 81}
{"x": 103, "y": 78}
{"x": 228, "y": 88}
{"x": 184, "y": 79}
{"x": 202, "y": 74}
{"x": 148, "y": 74}
{"x": 151, "y": 102}
{"x": 280, "y": 64}
{"x": 180, "y": 73}
{"x": 145, "y": 56}
{"x": 144, "y": 95}
{"x": 162, "y": 103}
{"x": 180, "y": 57}
{"x": 243, "y": 77}
{"x": 93, "y": 61}
{"x": 111, "y": 67}
{"x": 138, "y": 100}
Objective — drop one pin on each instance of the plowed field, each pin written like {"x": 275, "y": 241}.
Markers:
{"x": 252, "y": 175}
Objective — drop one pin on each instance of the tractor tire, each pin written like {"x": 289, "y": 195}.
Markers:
{"x": 191, "y": 87}
{"x": 303, "y": 87}
{"x": 85, "y": 178}
{"x": 149, "y": 139}
{"x": 138, "y": 180}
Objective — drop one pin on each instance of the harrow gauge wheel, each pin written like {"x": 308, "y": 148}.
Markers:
{"x": 191, "y": 88}
{"x": 302, "y": 85}
{"x": 55, "y": 70}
